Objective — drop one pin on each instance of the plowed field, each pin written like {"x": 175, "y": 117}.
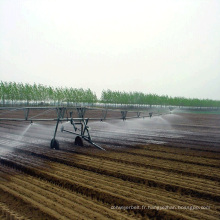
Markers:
{"x": 165, "y": 167}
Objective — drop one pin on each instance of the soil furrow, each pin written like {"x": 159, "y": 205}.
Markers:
{"x": 88, "y": 191}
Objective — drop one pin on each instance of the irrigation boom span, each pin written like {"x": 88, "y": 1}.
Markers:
{"x": 80, "y": 123}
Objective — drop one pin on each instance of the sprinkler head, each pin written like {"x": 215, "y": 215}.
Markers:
{"x": 31, "y": 122}
{"x": 150, "y": 114}
{"x": 171, "y": 109}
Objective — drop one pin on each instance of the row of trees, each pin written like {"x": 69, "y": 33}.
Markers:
{"x": 38, "y": 93}
{"x": 117, "y": 97}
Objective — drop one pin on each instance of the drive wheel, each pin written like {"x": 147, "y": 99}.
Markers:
{"x": 78, "y": 141}
{"x": 54, "y": 144}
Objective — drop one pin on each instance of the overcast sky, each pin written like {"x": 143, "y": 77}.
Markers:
{"x": 167, "y": 47}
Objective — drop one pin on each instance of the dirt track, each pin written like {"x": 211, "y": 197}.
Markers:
{"x": 158, "y": 168}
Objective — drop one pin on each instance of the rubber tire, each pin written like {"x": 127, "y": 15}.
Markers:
{"x": 54, "y": 144}
{"x": 78, "y": 141}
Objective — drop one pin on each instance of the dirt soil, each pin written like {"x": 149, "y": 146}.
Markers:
{"x": 165, "y": 167}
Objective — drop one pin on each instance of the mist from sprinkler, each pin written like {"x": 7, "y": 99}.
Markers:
{"x": 26, "y": 130}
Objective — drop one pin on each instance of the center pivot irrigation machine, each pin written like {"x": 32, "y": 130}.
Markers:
{"x": 66, "y": 114}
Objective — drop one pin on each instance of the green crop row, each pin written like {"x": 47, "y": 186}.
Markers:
{"x": 39, "y": 93}
{"x": 117, "y": 97}
{"x": 26, "y": 92}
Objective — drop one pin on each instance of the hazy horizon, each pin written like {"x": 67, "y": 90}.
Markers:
{"x": 163, "y": 47}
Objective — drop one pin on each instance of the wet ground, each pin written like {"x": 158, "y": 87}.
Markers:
{"x": 161, "y": 163}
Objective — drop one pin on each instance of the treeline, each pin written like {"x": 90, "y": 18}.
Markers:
{"x": 116, "y": 97}
{"x": 38, "y": 93}
{"x": 13, "y": 92}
